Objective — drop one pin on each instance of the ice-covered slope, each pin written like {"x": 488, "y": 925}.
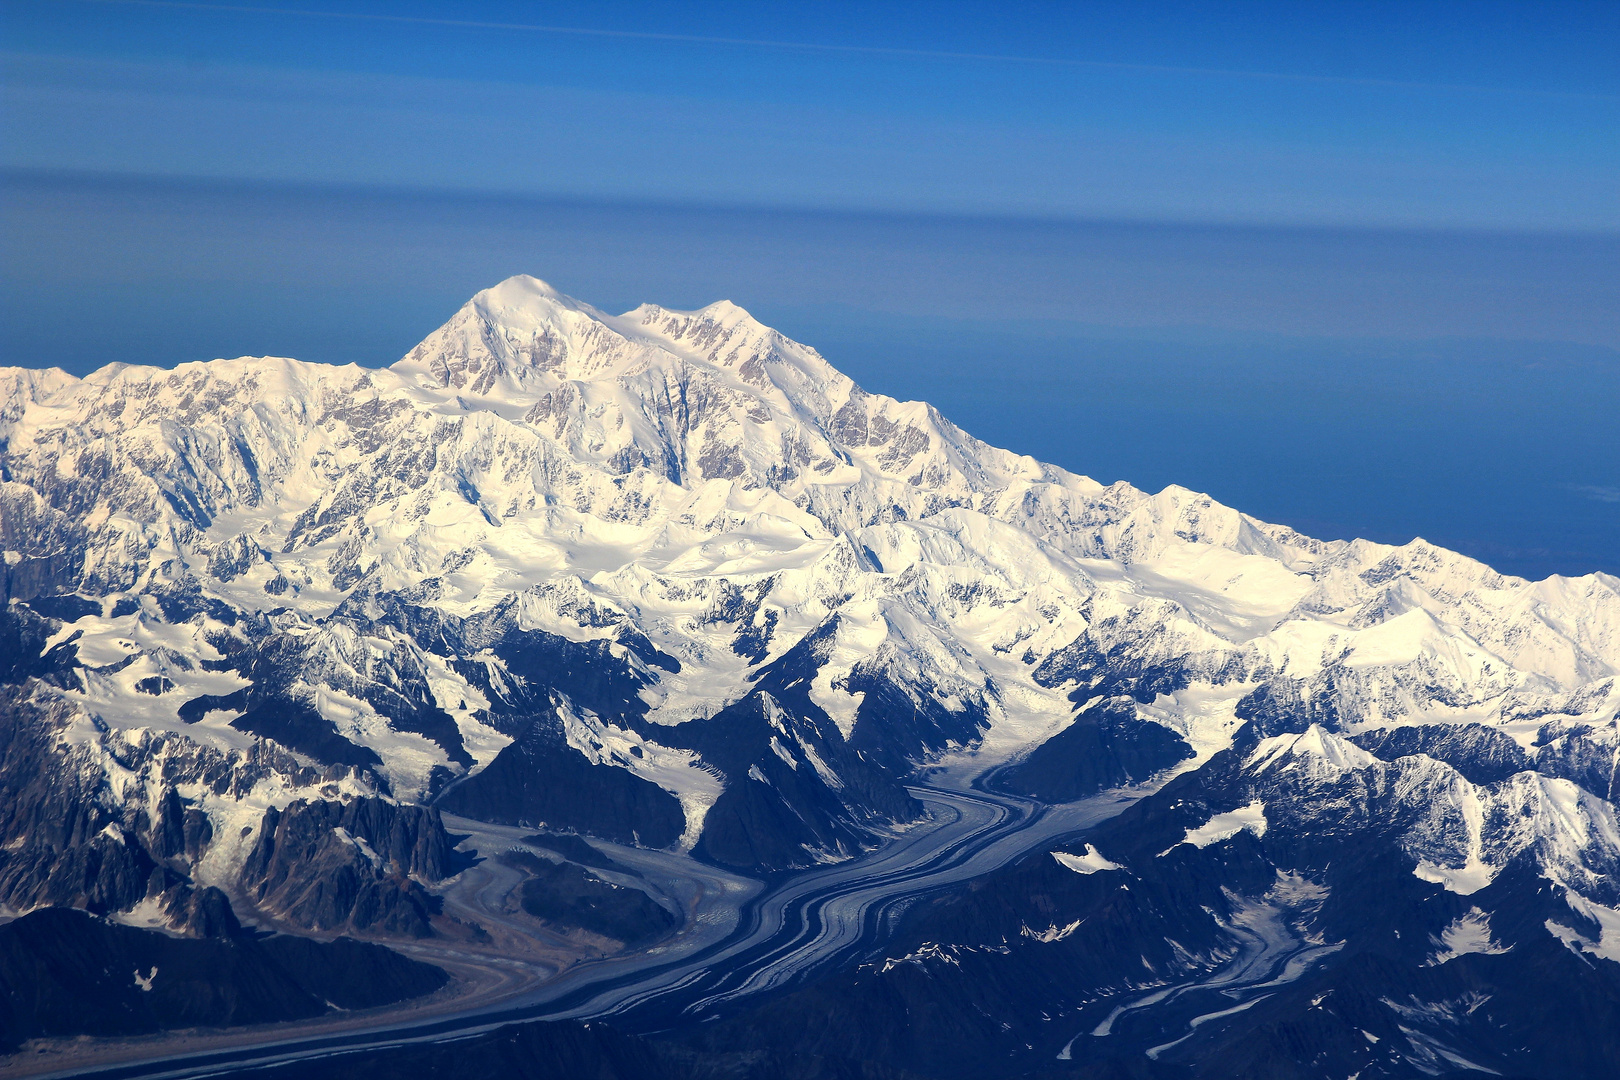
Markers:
{"x": 671, "y": 576}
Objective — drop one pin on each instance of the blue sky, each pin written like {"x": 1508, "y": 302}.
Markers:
{"x": 1473, "y": 115}
{"x": 1353, "y": 267}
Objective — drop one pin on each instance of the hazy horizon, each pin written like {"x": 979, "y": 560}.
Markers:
{"x": 1376, "y": 383}
{"x": 1353, "y": 268}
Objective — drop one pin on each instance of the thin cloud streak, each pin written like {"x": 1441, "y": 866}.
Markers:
{"x": 83, "y": 114}
{"x": 869, "y": 50}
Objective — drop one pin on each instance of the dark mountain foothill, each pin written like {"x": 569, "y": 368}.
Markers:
{"x": 533, "y": 782}
{"x": 65, "y": 972}
{"x": 64, "y": 607}
{"x": 569, "y": 896}
{"x": 1106, "y": 746}
{"x": 568, "y": 1050}
{"x": 357, "y": 865}
{"x": 1482, "y": 755}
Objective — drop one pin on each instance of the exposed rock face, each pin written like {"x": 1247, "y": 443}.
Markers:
{"x": 1105, "y": 747}
{"x": 348, "y": 866}
{"x": 1482, "y": 755}
{"x": 536, "y": 781}
{"x": 572, "y": 896}
{"x": 63, "y": 843}
{"x": 70, "y": 840}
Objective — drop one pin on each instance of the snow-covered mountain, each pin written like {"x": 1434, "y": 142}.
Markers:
{"x": 670, "y": 577}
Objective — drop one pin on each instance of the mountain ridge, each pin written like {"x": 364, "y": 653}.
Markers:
{"x": 619, "y": 549}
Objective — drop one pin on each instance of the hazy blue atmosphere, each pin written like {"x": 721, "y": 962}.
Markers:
{"x": 1355, "y": 268}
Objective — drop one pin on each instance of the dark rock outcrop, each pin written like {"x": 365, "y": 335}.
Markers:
{"x": 795, "y": 787}
{"x": 59, "y": 844}
{"x": 575, "y": 849}
{"x": 539, "y": 780}
{"x": 571, "y": 896}
{"x": 69, "y": 973}
{"x": 23, "y": 655}
{"x": 1483, "y": 755}
{"x": 356, "y": 865}
{"x": 1105, "y": 746}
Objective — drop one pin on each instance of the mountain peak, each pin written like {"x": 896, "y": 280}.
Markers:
{"x": 526, "y": 283}
{"x": 520, "y": 340}
{"x": 523, "y": 294}
{"x": 524, "y": 302}
{"x": 726, "y": 312}
{"x": 509, "y": 337}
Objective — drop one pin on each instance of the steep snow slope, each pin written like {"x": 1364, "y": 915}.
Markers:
{"x": 670, "y": 576}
